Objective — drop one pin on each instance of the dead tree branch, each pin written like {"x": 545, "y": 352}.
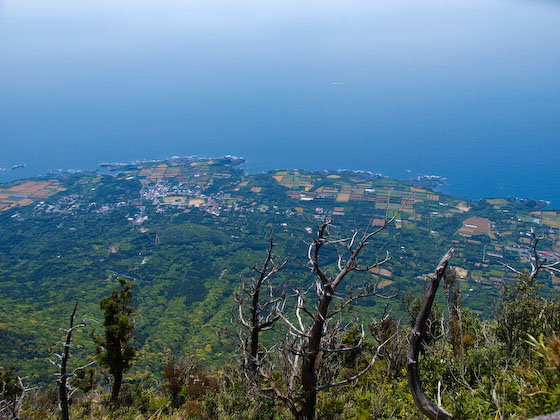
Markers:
{"x": 65, "y": 391}
{"x": 261, "y": 316}
{"x": 537, "y": 263}
{"x": 310, "y": 343}
{"x": 426, "y": 406}
{"x": 359, "y": 374}
{"x": 18, "y": 402}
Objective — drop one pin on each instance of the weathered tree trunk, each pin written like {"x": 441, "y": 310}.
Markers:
{"x": 426, "y": 406}
{"x": 254, "y": 352}
{"x": 63, "y": 385}
{"x": 63, "y": 403}
{"x": 117, "y": 376}
{"x": 306, "y": 413}
{"x": 308, "y": 369}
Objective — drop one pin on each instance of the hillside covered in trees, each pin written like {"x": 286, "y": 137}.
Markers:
{"x": 190, "y": 236}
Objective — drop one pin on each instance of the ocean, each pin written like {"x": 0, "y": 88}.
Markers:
{"x": 465, "y": 89}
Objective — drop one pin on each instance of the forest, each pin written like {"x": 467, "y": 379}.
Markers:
{"x": 506, "y": 367}
{"x": 122, "y": 296}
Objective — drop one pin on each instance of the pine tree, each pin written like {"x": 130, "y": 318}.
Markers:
{"x": 114, "y": 350}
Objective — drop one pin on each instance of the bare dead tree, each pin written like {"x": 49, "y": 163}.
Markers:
{"x": 5, "y": 406}
{"x": 65, "y": 391}
{"x": 19, "y": 401}
{"x": 262, "y": 315}
{"x": 514, "y": 316}
{"x": 537, "y": 264}
{"x": 426, "y": 406}
{"x": 12, "y": 396}
{"x": 309, "y": 341}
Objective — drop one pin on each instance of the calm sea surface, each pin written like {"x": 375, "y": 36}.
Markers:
{"x": 467, "y": 89}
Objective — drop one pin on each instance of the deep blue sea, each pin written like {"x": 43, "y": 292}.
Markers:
{"x": 466, "y": 89}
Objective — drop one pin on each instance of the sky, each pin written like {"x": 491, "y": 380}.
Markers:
{"x": 465, "y": 89}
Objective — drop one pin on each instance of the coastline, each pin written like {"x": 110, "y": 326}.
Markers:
{"x": 436, "y": 182}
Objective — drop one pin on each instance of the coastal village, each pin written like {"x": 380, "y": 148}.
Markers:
{"x": 218, "y": 187}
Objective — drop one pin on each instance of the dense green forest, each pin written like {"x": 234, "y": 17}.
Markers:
{"x": 187, "y": 233}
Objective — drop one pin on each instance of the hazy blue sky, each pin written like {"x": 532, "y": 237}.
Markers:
{"x": 468, "y": 89}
